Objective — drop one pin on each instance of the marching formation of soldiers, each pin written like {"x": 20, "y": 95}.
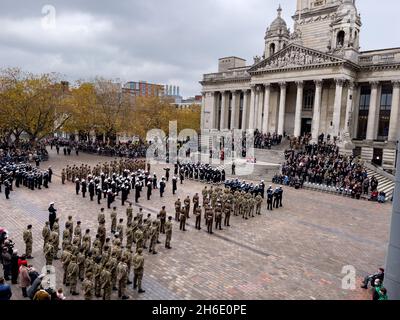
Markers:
{"x": 200, "y": 172}
{"x": 218, "y": 204}
{"x": 104, "y": 264}
{"x": 23, "y": 174}
{"x": 108, "y": 180}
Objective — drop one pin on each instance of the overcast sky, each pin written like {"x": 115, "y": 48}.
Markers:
{"x": 162, "y": 41}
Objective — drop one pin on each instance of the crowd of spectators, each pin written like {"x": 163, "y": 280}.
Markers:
{"x": 321, "y": 163}
{"x": 17, "y": 270}
{"x": 266, "y": 140}
{"x": 130, "y": 149}
{"x": 23, "y": 152}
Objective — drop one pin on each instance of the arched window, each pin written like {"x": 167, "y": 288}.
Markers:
{"x": 272, "y": 49}
{"x": 340, "y": 38}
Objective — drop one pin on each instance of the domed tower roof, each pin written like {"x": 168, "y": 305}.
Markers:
{"x": 278, "y": 27}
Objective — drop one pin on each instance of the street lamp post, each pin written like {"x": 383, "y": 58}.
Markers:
{"x": 392, "y": 272}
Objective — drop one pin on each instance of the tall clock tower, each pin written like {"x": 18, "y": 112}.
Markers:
{"x": 313, "y": 19}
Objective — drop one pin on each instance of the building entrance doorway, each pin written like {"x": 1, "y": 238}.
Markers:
{"x": 306, "y": 124}
{"x": 377, "y": 156}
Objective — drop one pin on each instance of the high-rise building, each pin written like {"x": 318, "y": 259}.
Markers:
{"x": 143, "y": 89}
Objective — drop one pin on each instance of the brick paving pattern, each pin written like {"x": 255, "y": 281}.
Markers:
{"x": 296, "y": 252}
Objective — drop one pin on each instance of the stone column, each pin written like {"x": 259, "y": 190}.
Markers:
{"x": 372, "y": 111}
{"x": 349, "y": 106}
{"x": 317, "y": 110}
{"x": 337, "y": 107}
{"x": 252, "y": 98}
{"x": 282, "y": 106}
{"x": 234, "y": 113}
{"x": 356, "y": 109}
{"x": 203, "y": 105}
{"x": 260, "y": 109}
{"x": 299, "y": 106}
{"x": 394, "y": 114}
{"x": 244, "y": 115}
{"x": 214, "y": 113}
{"x": 267, "y": 97}
{"x": 256, "y": 107}
{"x": 223, "y": 111}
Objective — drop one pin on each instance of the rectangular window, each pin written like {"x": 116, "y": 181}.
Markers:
{"x": 365, "y": 99}
{"x": 384, "y": 112}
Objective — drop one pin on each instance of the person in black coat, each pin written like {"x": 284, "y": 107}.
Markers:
{"x": 7, "y": 189}
{"x": 162, "y": 187}
{"x": 14, "y": 267}
{"x": 138, "y": 188}
{"x": 50, "y": 171}
{"x": 77, "y": 186}
{"x": 84, "y": 188}
{"x": 174, "y": 184}
{"x": 99, "y": 194}
{"x": 149, "y": 190}
{"x": 52, "y": 215}
{"x": 167, "y": 173}
{"x": 91, "y": 190}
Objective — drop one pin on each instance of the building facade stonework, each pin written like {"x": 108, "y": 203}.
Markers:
{"x": 315, "y": 80}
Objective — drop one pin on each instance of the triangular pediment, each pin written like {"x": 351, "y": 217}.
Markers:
{"x": 295, "y": 56}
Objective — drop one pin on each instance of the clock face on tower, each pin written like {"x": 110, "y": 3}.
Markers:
{"x": 318, "y": 3}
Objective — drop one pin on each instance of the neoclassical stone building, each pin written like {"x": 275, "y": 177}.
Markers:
{"x": 312, "y": 80}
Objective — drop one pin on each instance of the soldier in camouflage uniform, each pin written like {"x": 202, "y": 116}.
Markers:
{"x": 86, "y": 242}
{"x": 197, "y": 214}
{"x": 218, "y": 217}
{"x": 129, "y": 236}
{"x": 28, "y": 239}
{"x": 46, "y": 234}
{"x": 168, "y": 231}
{"x": 70, "y": 226}
{"x": 97, "y": 270}
{"x": 72, "y": 276}
{"x": 139, "y": 237}
{"x": 80, "y": 260}
{"x": 101, "y": 218}
{"x": 138, "y": 266}
{"x": 88, "y": 286}
{"x": 78, "y": 232}
{"x": 120, "y": 230}
{"x": 113, "y": 262}
{"x": 177, "y": 209}
{"x": 129, "y": 214}
{"x": 54, "y": 241}
{"x": 106, "y": 281}
{"x": 228, "y": 209}
{"x": 122, "y": 278}
{"x": 146, "y": 232}
{"x": 153, "y": 238}
{"x": 113, "y": 216}
{"x": 259, "y": 201}
{"x": 65, "y": 260}
{"x": 49, "y": 254}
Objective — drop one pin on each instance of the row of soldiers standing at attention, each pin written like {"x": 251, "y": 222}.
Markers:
{"x": 105, "y": 264}
{"x": 71, "y": 173}
{"x": 23, "y": 174}
{"x": 219, "y": 204}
